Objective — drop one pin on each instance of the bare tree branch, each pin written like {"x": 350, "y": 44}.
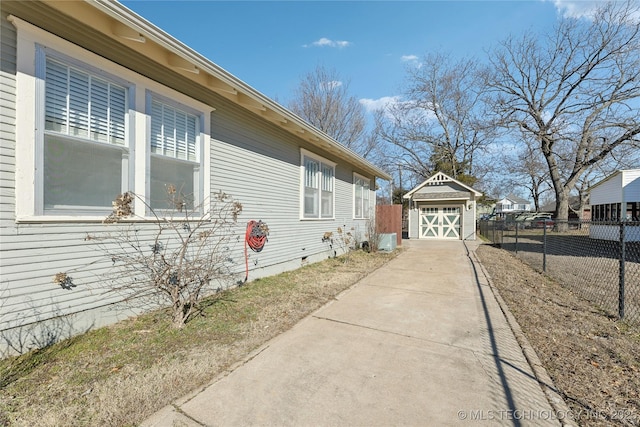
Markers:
{"x": 440, "y": 123}
{"x": 577, "y": 93}
{"x": 323, "y": 100}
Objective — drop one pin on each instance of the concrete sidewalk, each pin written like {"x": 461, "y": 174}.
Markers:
{"x": 421, "y": 341}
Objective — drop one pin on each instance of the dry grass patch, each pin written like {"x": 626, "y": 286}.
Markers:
{"x": 120, "y": 375}
{"x": 593, "y": 359}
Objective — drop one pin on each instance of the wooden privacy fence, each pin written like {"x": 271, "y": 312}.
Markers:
{"x": 389, "y": 220}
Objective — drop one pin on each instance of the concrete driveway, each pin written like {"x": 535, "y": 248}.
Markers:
{"x": 421, "y": 341}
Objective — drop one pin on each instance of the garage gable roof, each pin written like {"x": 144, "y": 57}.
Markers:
{"x": 440, "y": 178}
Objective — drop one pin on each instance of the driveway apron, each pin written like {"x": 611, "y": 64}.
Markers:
{"x": 418, "y": 342}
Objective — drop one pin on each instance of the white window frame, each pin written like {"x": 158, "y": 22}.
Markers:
{"x": 365, "y": 213}
{"x": 43, "y": 55}
{"x": 196, "y": 163}
{"x": 33, "y": 41}
{"x": 305, "y": 154}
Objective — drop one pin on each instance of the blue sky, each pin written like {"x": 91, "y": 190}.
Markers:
{"x": 271, "y": 45}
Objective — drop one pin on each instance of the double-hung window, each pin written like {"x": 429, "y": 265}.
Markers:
{"x": 318, "y": 187}
{"x": 360, "y": 197}
{"x": 88, "y": 129}
{"x": 174, "y": 159}
{"x": 85, "y": 154}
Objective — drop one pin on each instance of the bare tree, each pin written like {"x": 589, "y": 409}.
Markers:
{"x": 323, "y": 100}
{"x": 575, "y": 92}
{"x": 526, "y": 168}
{"x": 439, "y": 124}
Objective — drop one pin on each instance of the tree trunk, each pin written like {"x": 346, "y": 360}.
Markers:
{"x": 178, "y": 318}
{"x": 562, "y": 209}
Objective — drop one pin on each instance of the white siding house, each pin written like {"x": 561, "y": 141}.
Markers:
{"x": 512, "y": 204}
{"x": 614, "y": 199}
{"x": 97, "y": 101}
{"x": 442, "y": 208}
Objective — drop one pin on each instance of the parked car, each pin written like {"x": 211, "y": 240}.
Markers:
{"x": 542, "y": 222}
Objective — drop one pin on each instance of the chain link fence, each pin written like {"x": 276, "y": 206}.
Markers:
{"x": 599, "y": 261}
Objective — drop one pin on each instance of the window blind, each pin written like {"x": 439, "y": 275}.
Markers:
{"x": 83, "y": 105}
{"x": 173, "y": 132}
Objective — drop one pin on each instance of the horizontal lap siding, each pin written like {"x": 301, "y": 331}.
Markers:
{"x": 259, "y": 164}
{"x": 251, "y": 159}
{"x": 608, "y": 192}
{"x": 34, "y": 253}
{"x": 632, "y": 185}
{"x": 7, "y": 122}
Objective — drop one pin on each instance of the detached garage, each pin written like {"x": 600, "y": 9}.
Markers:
{"x": 442, "y": 208}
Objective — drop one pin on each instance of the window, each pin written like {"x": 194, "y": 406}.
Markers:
{"x": 610, "y": 212}
{"x": 85, "y": 153}
{"x": 174, "y": 165}
{"x": 633, "y": 211}
{"x": 318, "y": 185}
{"x": 88, "y": 129}
{"x": 360, "y": 197}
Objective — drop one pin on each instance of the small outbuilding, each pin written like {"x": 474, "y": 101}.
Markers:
{"x": 442, "y": 208}
{"x": 614, "y": 199}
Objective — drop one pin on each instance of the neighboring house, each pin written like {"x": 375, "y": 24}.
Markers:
{"x": 97, "y": 101}
{"x": 616, "y": 198}
{"x": 512, "y": 204}
{"x": 442, "y": 208}
{"x": 574, "y": 209}
{"x": 485, "y": 210}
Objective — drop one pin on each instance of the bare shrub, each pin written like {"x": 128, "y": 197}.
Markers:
{"x": 342, "y": 240}
{"x": 174, "y": 257}
{"x": 373, "y": 235}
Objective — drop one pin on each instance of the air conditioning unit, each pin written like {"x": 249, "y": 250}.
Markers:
{"x": 388, "y": 242}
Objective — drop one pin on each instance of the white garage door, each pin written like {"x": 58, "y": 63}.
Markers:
{"x": 440, "y": 222}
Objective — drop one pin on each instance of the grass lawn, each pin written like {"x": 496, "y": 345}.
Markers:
{"x": 120, "y": 375}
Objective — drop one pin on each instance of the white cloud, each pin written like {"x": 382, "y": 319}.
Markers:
{"x": 577, "y": 8}
{"x": 383, "y": 103}
{"x": 585, "y": 8}
{"x": 325, "y": 42}
{"x": 409, "y": 58}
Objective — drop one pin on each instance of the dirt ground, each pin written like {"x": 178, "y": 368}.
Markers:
{"x": 593, "y": 359}
{"x": 588, "y": 267}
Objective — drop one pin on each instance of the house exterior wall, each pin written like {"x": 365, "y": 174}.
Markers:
{"x": 250, "y": 158}
{"x": 622, "y": 187}
{"x": 468, "y": 231}
{"x": 609, "y": 191}
{"x": 31, "y": 254}
{"x": 631, "y": 182}
{"x": 507, "y": 205}
{"x": 414, "y": 224}
{"x": 260, "y": 166}
{"x": 7, "y": 123}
